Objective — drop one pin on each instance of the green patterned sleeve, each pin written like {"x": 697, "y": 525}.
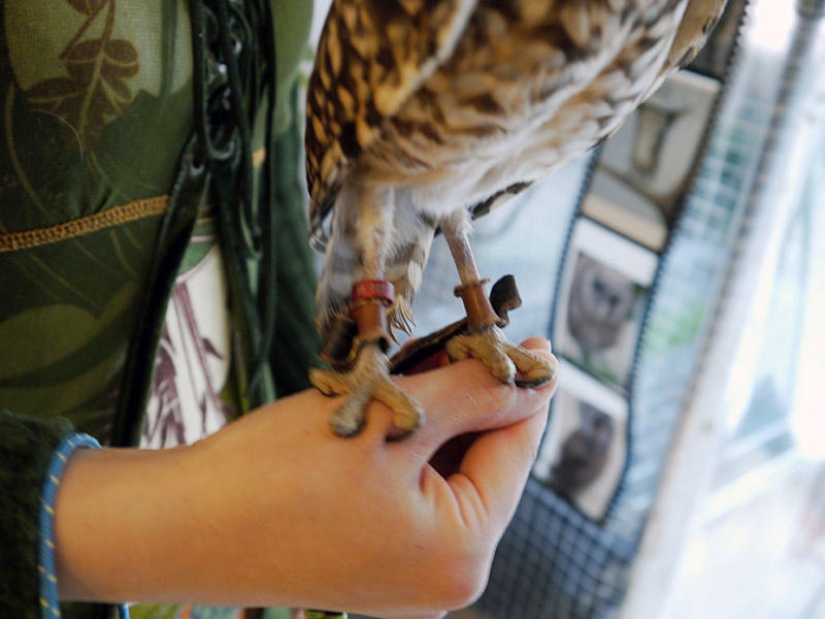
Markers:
{"x": 26, "y": 446}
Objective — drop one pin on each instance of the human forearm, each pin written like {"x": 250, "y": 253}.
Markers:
{"x": 120, "y": 522}
{"x": 275, "y": 510}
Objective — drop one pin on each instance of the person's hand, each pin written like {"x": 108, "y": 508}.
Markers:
{"x": 274, "y": 510}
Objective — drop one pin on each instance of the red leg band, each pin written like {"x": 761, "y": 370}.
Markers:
{"x": 368, "y": 309}
{"x": 368, "y": 289}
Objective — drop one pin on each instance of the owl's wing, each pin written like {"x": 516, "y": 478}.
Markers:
{"x": 697, "y": 23}
{"x": 372, "y": 56}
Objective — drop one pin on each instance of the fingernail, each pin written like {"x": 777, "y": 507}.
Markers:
{"x": 538, "y": 344}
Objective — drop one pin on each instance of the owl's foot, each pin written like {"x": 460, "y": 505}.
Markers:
{"x": 367, "y": 380}
{"x": 485, "y": 341}
{"x": 361, "y": 369}
{"x": 507, "y": 362}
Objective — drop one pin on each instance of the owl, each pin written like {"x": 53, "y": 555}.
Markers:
{"x": 423, "y": 114}
{"x": 601, "y": 302}
{"x": 584, "y": 453}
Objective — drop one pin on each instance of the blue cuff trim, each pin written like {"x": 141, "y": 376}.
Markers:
{"x": 49, "y": 602}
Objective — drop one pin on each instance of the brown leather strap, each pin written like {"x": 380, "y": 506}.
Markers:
{"x": 480, "y": 312}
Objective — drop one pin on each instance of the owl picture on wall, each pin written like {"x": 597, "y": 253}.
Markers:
{"x": 584, "y": 451}
{"x": 603, "y": 297}
{"x": 601, "y": 303}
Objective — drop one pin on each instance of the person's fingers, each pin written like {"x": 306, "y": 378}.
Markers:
{"x": 464, "y": 398}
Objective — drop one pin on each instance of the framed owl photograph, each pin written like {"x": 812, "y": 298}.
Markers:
{"x": 584, "y": 450}
{"x": 644, "y": 168}
{"x": 604, "y": 290}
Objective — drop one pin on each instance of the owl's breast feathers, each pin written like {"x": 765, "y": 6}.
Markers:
{"x": 372, "y": 56}
{"x": 429, "y": 92}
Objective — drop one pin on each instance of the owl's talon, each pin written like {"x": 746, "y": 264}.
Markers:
{"x": 350, "y": 417}
{"x": 507, "y": 362}
{"x": 329, "y": 383}
{"x": 408, "y": 415}
{"x": 533, "y": 370}
{"x": 367, "y": 380}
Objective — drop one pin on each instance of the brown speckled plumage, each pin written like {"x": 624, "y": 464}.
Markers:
{"x": 421, "y": 111}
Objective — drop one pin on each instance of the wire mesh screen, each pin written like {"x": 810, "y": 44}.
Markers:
{"x": 555, "y": 560}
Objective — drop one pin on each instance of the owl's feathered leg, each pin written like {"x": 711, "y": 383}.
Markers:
{"x": 483, "y": 339}
{"x": 367, "y": 376}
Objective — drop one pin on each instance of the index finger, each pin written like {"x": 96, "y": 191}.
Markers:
{"x": 464, "y": 397}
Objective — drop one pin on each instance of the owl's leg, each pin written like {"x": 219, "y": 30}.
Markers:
{"x": 367, "y": 377}
{"x": 484, "y": 340}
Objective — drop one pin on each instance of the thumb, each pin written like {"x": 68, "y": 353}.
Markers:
{"x": 494, "y": 470}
